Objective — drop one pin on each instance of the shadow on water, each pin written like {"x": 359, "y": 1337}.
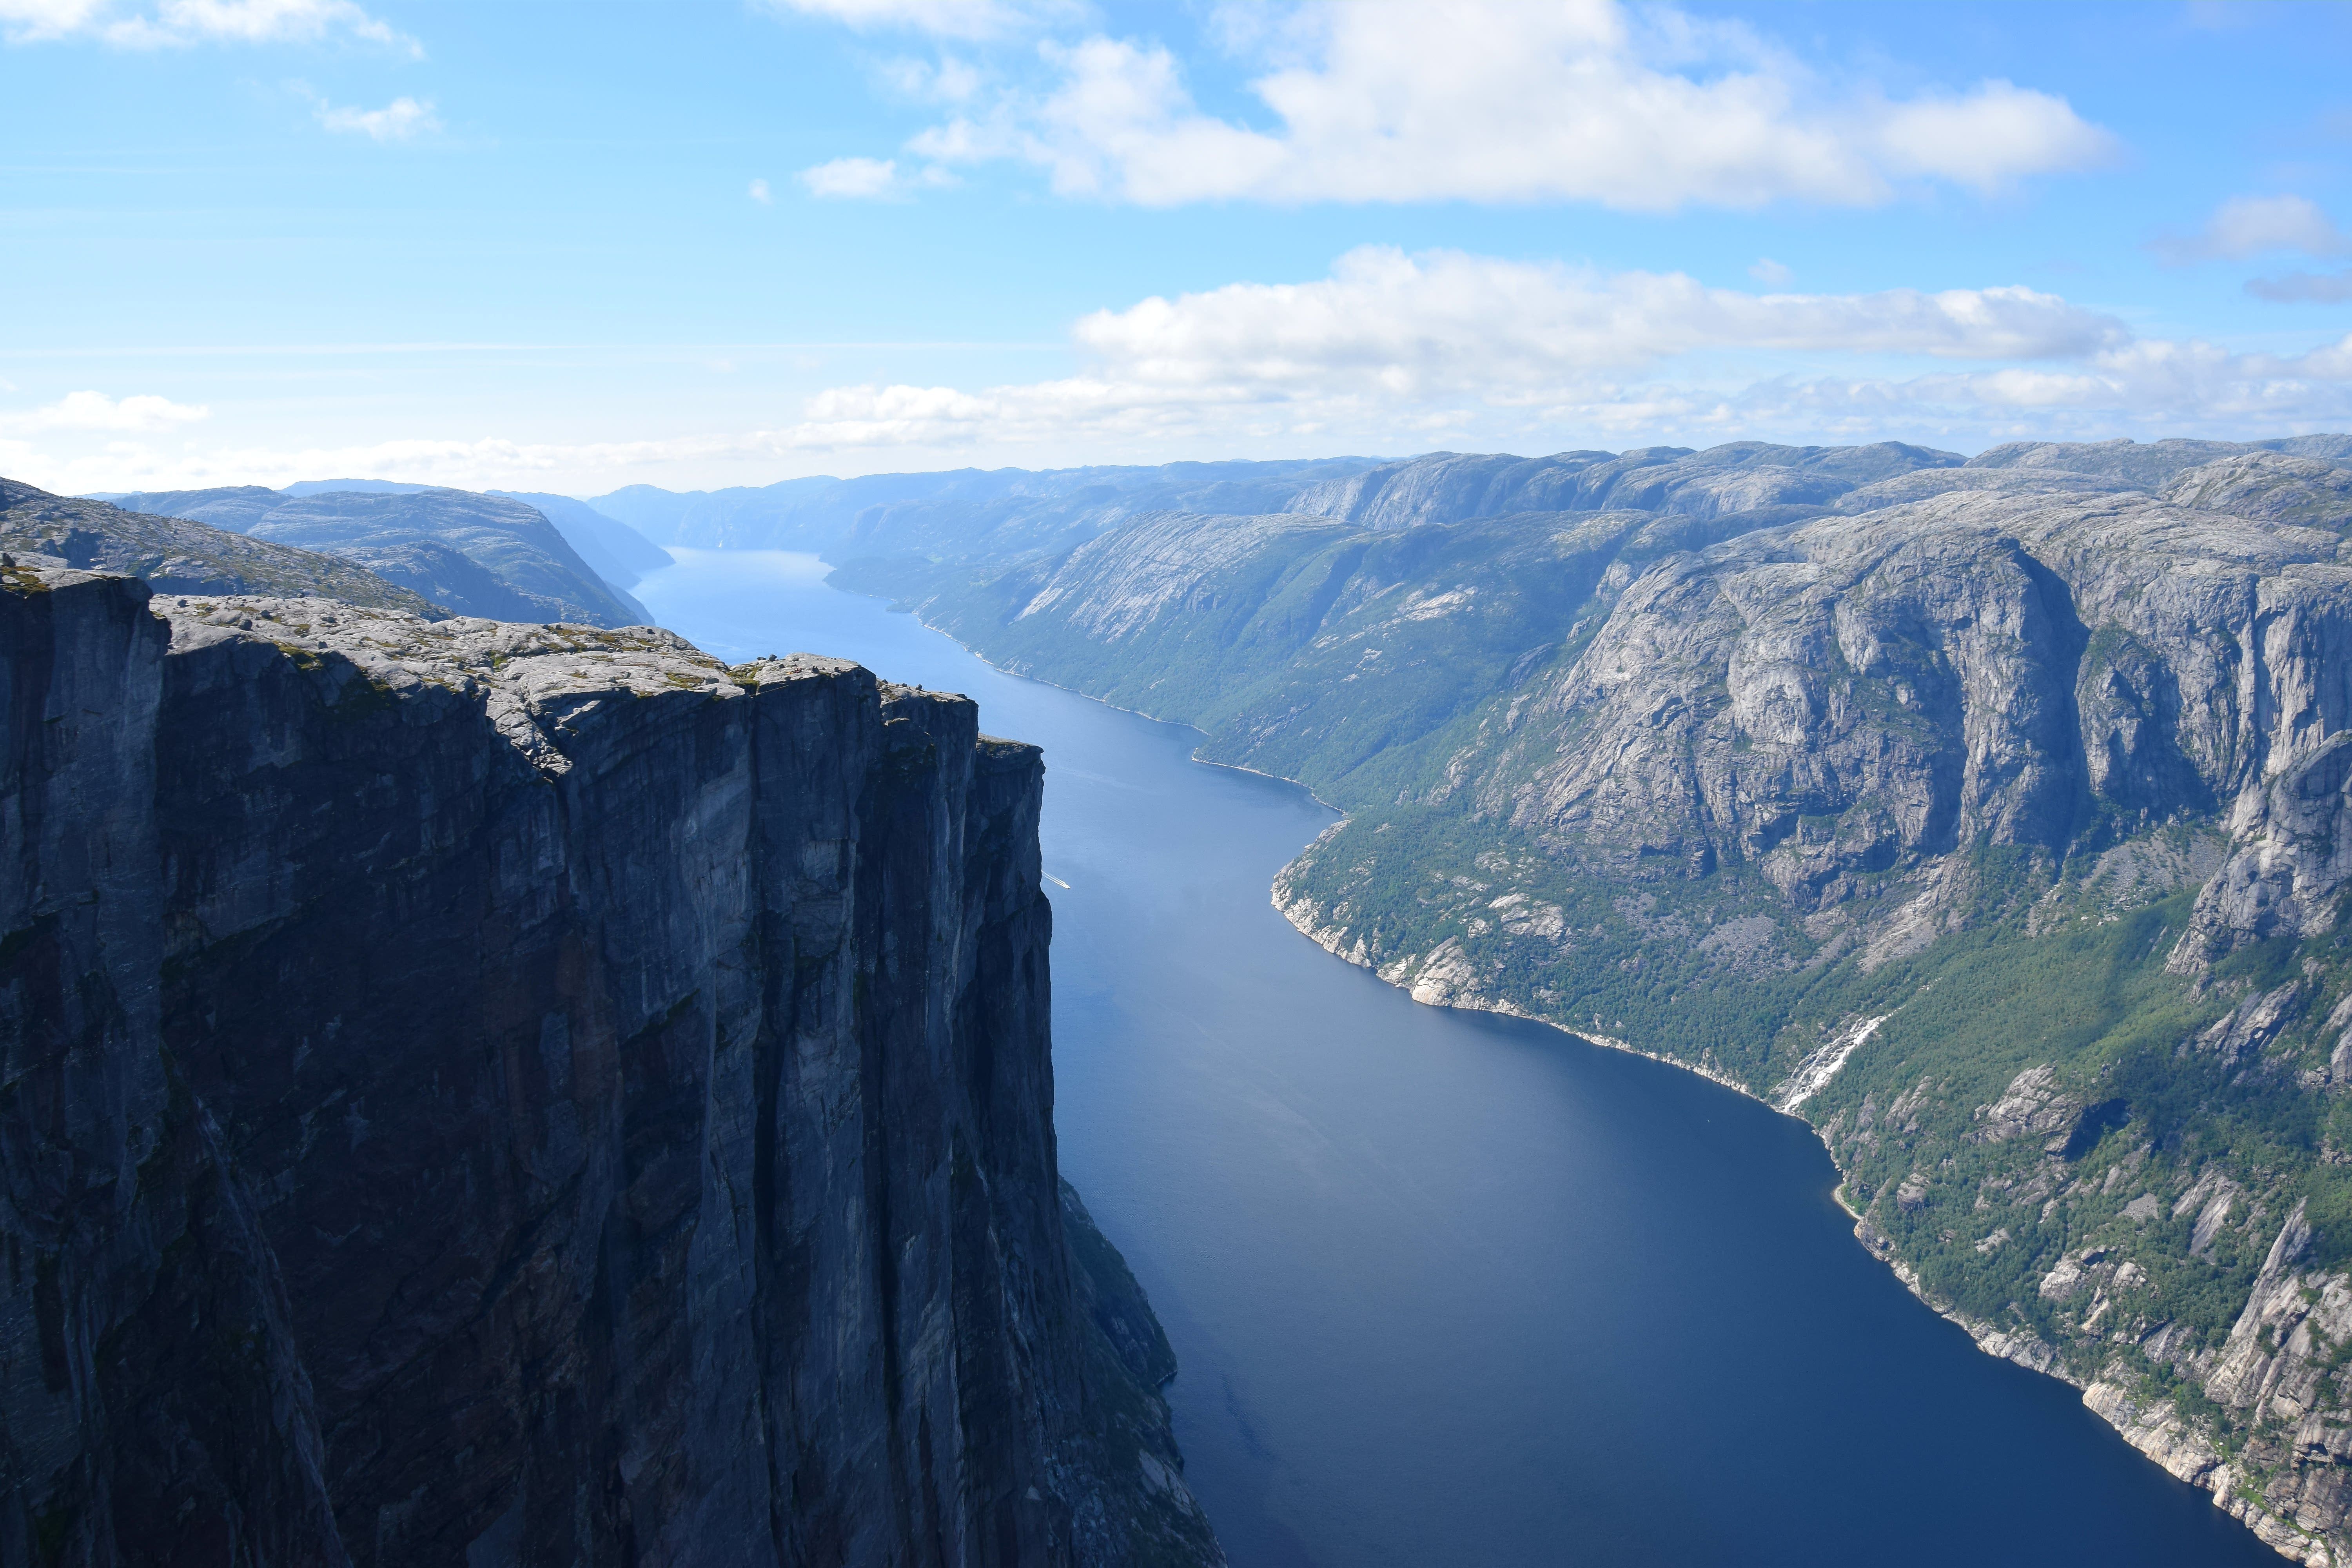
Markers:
{"x": 1455, "y": 1288}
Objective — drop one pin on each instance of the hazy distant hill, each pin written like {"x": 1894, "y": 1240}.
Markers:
{"x": 971, "y": 514}
{"x": 365, "y": 487}
{"x": 177, "y": 555}
{"x": 966, "y": 513}
{"x": 476, "y": 554}
{"x": 621, "y": 555}
{"x": 975, "y": 514}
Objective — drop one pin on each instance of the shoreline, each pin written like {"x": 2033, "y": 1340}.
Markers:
{"x": 2155, "y": 1432}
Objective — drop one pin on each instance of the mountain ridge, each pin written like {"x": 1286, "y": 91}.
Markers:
{"x": 179, "y": 554}
{"x": 477, "y": 554}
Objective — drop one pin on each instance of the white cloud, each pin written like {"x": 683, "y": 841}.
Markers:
{"x": 171, "y": 23}
{"x": 400, "y": 121}
{"x": 1988, "y": 137}
{"x": 948, "y": 19}
{"x": 1767, "y": 270}
{"x": 761, "y": 195}
{"x": 853, "y": 177}
{"x": 951, "y": 81}
{"x": 1393, "y": 349}
{"x": 95, "y": 410}
{"x": 1388, "y": 353}
{"x": 1500, "y": 101}
{"x": 1443, "y": 319}
{"x": 2244, "y": 226}
{"x": 2144, "y": 390}
{"x": 265, "y": 21}
{"x": 26, "y": 21}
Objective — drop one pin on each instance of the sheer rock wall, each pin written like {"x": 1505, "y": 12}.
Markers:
{"x": 502, "y": 1094}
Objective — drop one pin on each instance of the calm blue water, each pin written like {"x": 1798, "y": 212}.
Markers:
{"x": 1455, "y": 1289}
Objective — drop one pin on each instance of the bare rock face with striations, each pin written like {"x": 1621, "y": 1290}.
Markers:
{"x": 501, "y": 1094}
{"x": 1850, "y": 697}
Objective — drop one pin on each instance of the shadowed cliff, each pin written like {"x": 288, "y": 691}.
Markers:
{"x": 489, "y": 1094}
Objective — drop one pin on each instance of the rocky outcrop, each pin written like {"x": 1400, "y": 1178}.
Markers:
{"x": 151, "y": 1401}
{"x": 520, "y": 1094}
{"x": 2294, "y": 853}
{"x": 2270, "y": 485}
{"x": 1849, "y": 696}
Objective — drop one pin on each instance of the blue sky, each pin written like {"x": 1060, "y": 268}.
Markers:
{"x": 573, "y": 246}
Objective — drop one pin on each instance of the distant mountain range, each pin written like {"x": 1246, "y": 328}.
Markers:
{"x": 975, "y": 514}
{"x": 177, "y": 555}
{"x": 489, "y": 555}
{"x": 619, "y": 553}
{"x": 966, "y": 513}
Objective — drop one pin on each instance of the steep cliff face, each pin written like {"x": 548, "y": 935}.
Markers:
{"x": 1844, "y": 699}
{"x": 500, "y": 1094}
{"x": 150, "y": 1397}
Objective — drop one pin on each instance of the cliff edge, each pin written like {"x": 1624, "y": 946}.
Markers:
{"x": 495, "y": 1094}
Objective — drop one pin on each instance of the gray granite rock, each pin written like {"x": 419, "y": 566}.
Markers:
{"x": 1972, "y": 668}
{"x": 533, "y": 1094}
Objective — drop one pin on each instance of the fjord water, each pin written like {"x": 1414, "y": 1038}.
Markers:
{"x": 1450, "y": 1288}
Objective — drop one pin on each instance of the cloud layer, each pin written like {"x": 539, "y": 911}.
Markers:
{"x": 1443, "y": 321}
{"x": 178, "y": 23}
{"x": 1389, "y": 352}
{"x": 1492, "y": 101}
{"x": 1404, "y": 348}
